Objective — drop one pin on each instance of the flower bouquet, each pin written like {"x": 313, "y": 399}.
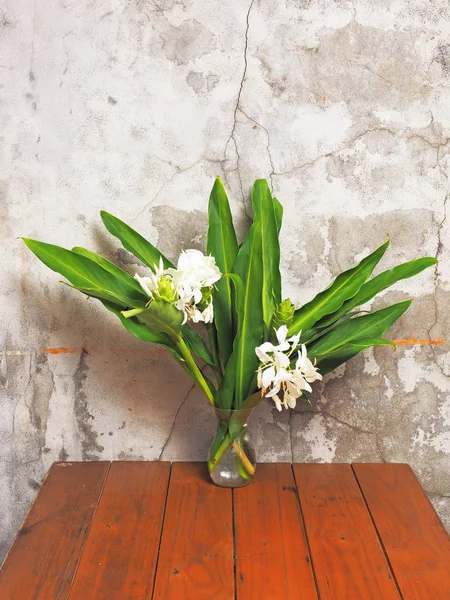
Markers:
{"x": 255, "y": 343}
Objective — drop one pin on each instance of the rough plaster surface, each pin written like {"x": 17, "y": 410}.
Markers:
{"x": 135, "y": 106}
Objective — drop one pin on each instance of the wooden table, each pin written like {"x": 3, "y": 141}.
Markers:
{"x": 143, "y": 530}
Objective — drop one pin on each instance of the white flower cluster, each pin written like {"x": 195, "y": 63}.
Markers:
{"x": 276, "y": 375}
{"x": 189, "y": 284}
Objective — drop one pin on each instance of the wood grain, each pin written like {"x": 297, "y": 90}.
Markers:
{"x": 42, "y": 562}
{"x": 272, "y": 557}
{"x": 119, "y": 560}
{"x": 196, "y": 554}
{"x": 415, "y": 540}
{"x": 348, "y": 559}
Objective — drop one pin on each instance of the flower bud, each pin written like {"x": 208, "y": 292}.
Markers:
{"x": 166, "y": 291}
{"x": 283, "y": 314}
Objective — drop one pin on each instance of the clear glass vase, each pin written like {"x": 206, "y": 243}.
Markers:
{"x": 232, "y": 459}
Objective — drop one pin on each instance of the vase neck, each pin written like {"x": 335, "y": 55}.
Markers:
{"x": 224, "y": 415}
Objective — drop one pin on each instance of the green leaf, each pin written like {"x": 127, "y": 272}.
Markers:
{"x": 251, "y": 401}
{"x": 278, "y": 210}
{"x": 118, "y": 273}
{"x": 311, "y": 335}
{"x": 249, "y": 267}
{"x": 139, "y": 330}
{"x": 86, "y": 274}
{"x": 197, "y": 344}
{"x": 379, "y": 283}
{"x": 221, "y": 242}
{"x": 162, "y": 317}
{"x": 367, "y": 326}
{"x": 116, "y": 298}
{"x": 264, "y": 215}
{"x": 330, "y": 361}
{"x": 226, "y": 392}
{"x": 133, "y": 241}
{"x": 345, "y": 286}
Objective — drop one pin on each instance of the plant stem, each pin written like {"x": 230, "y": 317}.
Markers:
{"x": 212, "y": 334}
{"x": 220, "y": 452}
{"x": 244, "y": 459}
{"x": 194, "y": 370}
{"x": 227, "y": 442}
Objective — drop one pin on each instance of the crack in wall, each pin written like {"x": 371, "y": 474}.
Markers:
{"x": 166, "y": 182}
{"x": 166, "y": 443}
{"x": 347, "y": 146}
{"x": 236, "y": 108}
{"x": 270, "y": 176}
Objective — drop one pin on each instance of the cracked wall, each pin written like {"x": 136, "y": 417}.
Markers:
{"x": 135, "y": 107}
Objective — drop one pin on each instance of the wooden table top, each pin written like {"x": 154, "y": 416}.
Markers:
{"x": 143, "y": 530}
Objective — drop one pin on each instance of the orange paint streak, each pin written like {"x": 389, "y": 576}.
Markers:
{"x": 62, "y": 351}
{"x": 414, "y": 341}
{"x": 117, "y": 349}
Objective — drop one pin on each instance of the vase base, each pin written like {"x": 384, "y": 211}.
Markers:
{"x": 224, "y": 479}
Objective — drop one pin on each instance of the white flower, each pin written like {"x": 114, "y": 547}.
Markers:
{"x": 263, "y": 351}
{"x": 305, "y": 366}
{"x": 150, "y": 284}
{"x": 186, "y": 285}
{"x": 194, "y": 271}
{"x": 277, "y": 380}
{"x": 197, "y": 316}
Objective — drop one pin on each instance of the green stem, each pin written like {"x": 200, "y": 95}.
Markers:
{"x": 194, "y": 370}
{"x": 241, "y": 456}
{"x": 227, "y": 441}
{"x": 212, "y": 334}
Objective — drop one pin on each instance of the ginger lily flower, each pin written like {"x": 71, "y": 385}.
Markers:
{"x": 276, "y": 379}
{"x": 150, "y": 283}
{"x": 283, "y": 345}
{"x": 306, "y": 367}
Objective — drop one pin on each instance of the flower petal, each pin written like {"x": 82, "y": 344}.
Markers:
{"x": 268, "y": 377}
{"x": 281, "y": 333}
{"x": 281, "y": 360}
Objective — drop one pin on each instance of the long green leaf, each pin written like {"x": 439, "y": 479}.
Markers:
{"x": 248, "y": 267}
{"x": 264, "y": 214}
{"x": 329, "y": 362}
{"x": 123, "y": 302}
{"x": 111, "y": 268}
{"x": 367, "y": 326}
{"x": 379, "y": 283}
{"x": 278, "y": 210}
{"x": 197, "y": 344}
{"x": 345, "y": 286}
{"x": 139, "y": 330}
{"x": 84, "y": 273}
{"x": 133, "y": 241}
{"x": 227, "y": 388}
{"x": 222, "y": 243}
{"x": 311, "y": 335}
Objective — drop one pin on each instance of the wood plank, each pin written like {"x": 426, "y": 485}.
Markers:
{"x": 347, "y": 557}
{"x": 44, "y": 557}
{"x": 119, "y": 560}
{"x": 272, "y": 557}
{"x": 196, "y": 554}
{"x": 417, "y": 545}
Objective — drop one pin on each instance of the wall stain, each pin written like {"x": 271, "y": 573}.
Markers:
{"x": 90, "y": 448}
{"x": 42, "y": 391}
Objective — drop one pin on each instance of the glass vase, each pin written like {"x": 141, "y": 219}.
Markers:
{"x": 232, "y": 459}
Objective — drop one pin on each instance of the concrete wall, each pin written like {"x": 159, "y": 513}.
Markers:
{"x": 135, "y": 106}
